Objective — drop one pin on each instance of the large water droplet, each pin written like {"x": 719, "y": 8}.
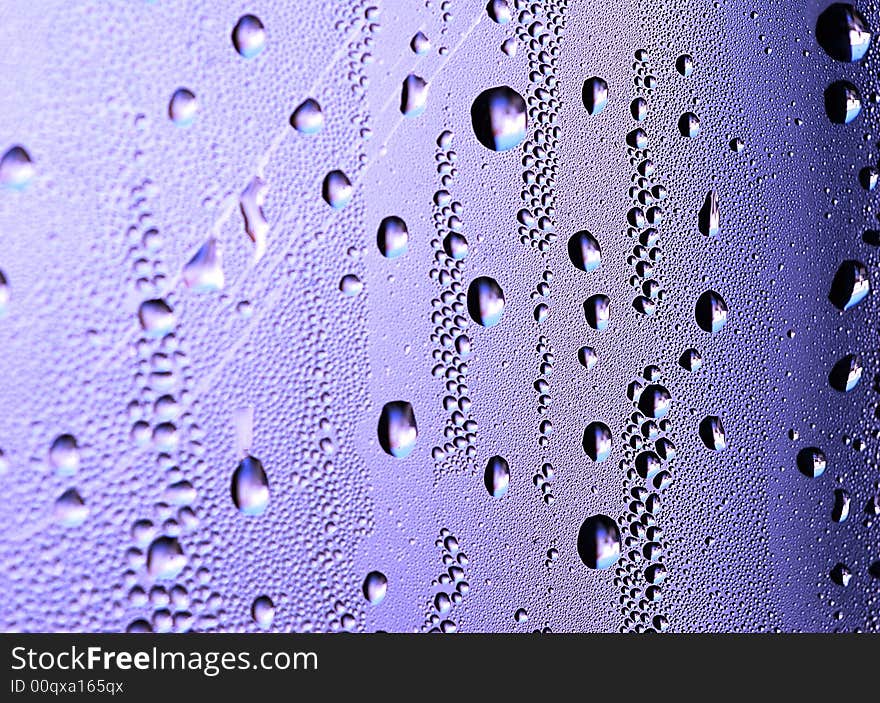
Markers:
{"x": 499, "y": 11}
{"x": 413, "y": 95}
{"x": 684, "y": 64}
{"x": 648, "y": 465}
{"x": 843, "y": 102}
{"x": 249, "y": 36}
{"x": 456, "y": 246}
{"x": 595, "y": 95}
{"x": 183, "y": 107}
{"x": 597, "y": 441}
{"x": 689, "y": 125}
{"x": 691, "y": 360}
{"x": 375, "y": 587}
{"x": 156, "y": 317}
{"x": 499, "y": 119}
{"x": 397, "y": 428}
{"x": 16, "y": 168}
{"x": 485, "y": 301}
{"x": 64, "y": 455}
{"x": 842, "y": 32}
{"x": 496, "y": 477}
{"x": 710, "y": 217}
{"x": 420, "y": 44}
{"x": 639, "y": 109}
{"x": 392, "y": 237}
{"x": 597, "y": 309}
{"x": 165, "y": 558}
{"x": 840, "y": 510}
{"x": 337, "y": 189}
{"x": 263, "y": 611}
{"x": 711, "y": 312}
{"x": 203, "y": 273}
{"x": 250, "y": 486}
{"x": 811, "y": 462}
{"x": 654, "y": 401}
{"x": 350, "y": 285}
{"x": 307, "y": 118}
{"x": 850, "y": 285}
{"x": 712, "y": 433}
{"x": 70, "y": 509}
{"x": 598, "y": 542}
{"x": 846, "y": 373}
{"x": 584, "y": 251}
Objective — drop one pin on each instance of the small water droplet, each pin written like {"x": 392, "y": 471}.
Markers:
{"x": 712, "y": 433}
{"x": 639, "y": 109}
{"x": 843, "y": 102}
{"x": 842, "y": 501}
{"x": 16, "y": 168}
{"x": 203, "y": 273}
{"x": 846, "y": 373}
{"x": 420, "y": 44}
{"x": 811, "y": 462}
{"x": 654, "y": 401}
{"x": 70, "y": 509}
{"x": 165, "y": 558}
{"x": 588, "y": 357}
{"x": 689, "y": 125}
{"x": 710, "y": 218}
{"x": 850, "y": 285}
{"x": 413, "y": 95}
{"x": 263, "y": 611}
{"x": 691, "y": 360}
{"x": 64, "y": 455}
{"x": 597, "y": 441}
{"x": 350, "y": 285}
{"x": 456, "y": 246}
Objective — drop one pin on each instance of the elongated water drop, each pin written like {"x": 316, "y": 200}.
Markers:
{"x": 203, "y": 273}
{"x": 413, "y": 95}
{"x": 183, "y": 107}
{"x": 397, "y": 429}
{"x": 337, "y": 190}
{"x": 710, "y": 218}
{"x": 375, "y": 587}
{"x": 485, "y": 301}
{"x": 249, "y": 36}
{"x": 842, "y": 32}
{"x": 595, "y": 95}
{"x": 597, "y": 441}
{"x": 392, "y": 237}
{"x": 255, "y": 223}
{"x": 711, "y": 312}
{"x": 496, "y": 477}
{"x": 850, "y": 285}
{"x": 584, "y": 251}
{"x": 250, "y": 486}
{"x": 712, "y": 433}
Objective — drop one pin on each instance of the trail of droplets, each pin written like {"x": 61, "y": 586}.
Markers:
{"x": 451, "y": 585}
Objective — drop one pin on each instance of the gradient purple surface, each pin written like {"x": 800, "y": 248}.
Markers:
{"x": 315, "y": 330}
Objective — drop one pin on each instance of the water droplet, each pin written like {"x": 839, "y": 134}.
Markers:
{"x": 413, "y": 95}
{"x": 203, "y": 273}
{"x": 648, "y": 465}
{"x": 263, "y": 611}
{"x": 307, "y": 118}
{"x": 420, "y": 44}
{"x": 597, "y": 441}
{"x": 183, "y": 107}
{"x": 639, "y": 109}
{"x": 70, "y": 509}
{"x": 841, "y": 575}
{"x": 393, "y": 237}
{"x": 397, "y": 428}
{"x": 456, "y": 246}
{"x": 521, "y": 615}
{"x": 690, "y": 360}
{"x": 250, "y": 486}
{"x": 598, "y": 542}
{"x": 689, "y": 125}
{"x": 5, "y": 294}
{"x": 375, "y": 587}
{"x": 811, "y": 462}
{"x": 337, "y": 189}
{"x": 496, "y": 477}
{"x": 64, "y": 455}
{"x": 840, "y": 511}
{"x": 843, "y": 102}
{"x": 16, "y": 168}
{"x": 638, "y": 139}
{"x": 684, "y": 64}
{"x": 712, "y": 433}
{"x": 842, "y": 32}
{"x": 165, "y": 558}
{"x": 595, "y": 95}
{"x": 850, "y": 285}
{"x": 711, "y": 312}
{"x": 499, "y": 11}
{"x": 255, "y": 223}
{"x": 156, "y": 317}
{"x": 846, "y": 373}
{"x": 509, "y": 47}
{"x": 584, "y": 251}
{"x": 654, "y": 401}
{"x": 499, "y": 119}
{"x": 588, "y": 357}
{"x": 485, "y": 301}
{"x": 869, "y": 177}
{"x": 597, "y": 309}
{"x": 350, "y": 285}
{"x": 249, "y": 36}
{"x": 709, "y": 218}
